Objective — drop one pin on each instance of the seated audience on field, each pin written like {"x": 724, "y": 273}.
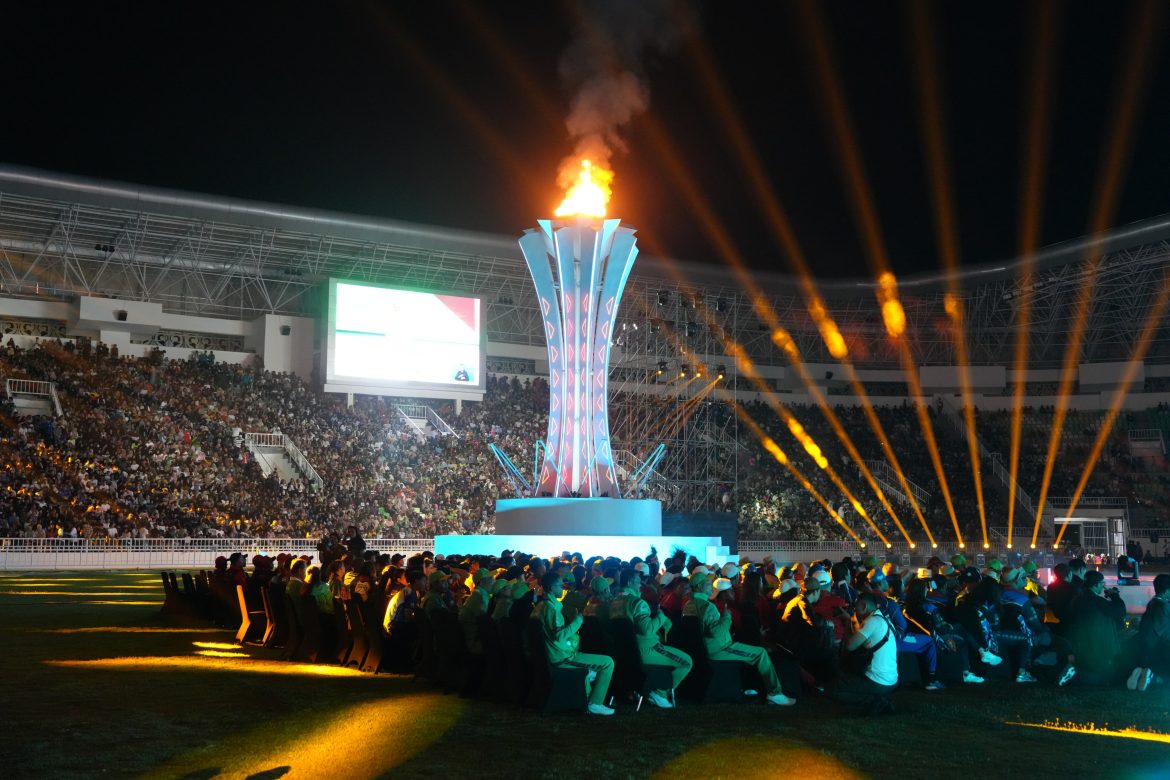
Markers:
{"x": 969, "y": 626}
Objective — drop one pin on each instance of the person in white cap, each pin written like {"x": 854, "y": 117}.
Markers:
{"x": 716, "y": 630}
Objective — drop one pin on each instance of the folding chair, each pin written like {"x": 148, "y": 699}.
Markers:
{"x": 247, "y": 617}
{"x": 554, "y": 688}
{"x": 709, "y": 681}
{"x": 630, "y": 675}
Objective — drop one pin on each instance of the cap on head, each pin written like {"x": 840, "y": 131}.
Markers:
{"x": 818, "y": 580}
{"x": 722, "y": 583}
{"x": 519, "y": 589}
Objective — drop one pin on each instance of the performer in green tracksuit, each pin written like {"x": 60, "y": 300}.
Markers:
{"x": 717, "y": 637}
{"x": 561, "y": 642}
{"x": 629, "y": 604}
{"x": 475, "y": 607}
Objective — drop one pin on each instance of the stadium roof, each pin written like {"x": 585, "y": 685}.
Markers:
{"x": 64, "y": 235}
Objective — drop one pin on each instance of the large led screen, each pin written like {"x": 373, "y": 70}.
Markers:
{"x": 387, "y": 338}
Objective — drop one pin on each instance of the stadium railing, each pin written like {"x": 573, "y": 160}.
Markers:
{"x": 67, "y": 553}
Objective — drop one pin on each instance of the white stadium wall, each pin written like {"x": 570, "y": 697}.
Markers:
{"x": 285, "y": 343}
{"x": 947, "y": 378}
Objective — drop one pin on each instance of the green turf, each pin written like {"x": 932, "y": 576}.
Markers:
{"x": 236, "y": 720}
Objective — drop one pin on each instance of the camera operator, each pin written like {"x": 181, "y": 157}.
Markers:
{"x": 1096, "y": 617}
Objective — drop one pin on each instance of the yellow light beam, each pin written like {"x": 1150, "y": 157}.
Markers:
{"x": 939, "y": 177}
{"x": 864, "y": 209}
{"x": 1153, "y": 322}
{"x": 782, "y": 458}
{"x": 1039, "y": 99}
{"x": 746, "y": 368}
{"x": 784, "y": 340}
{"x": 462, "y": 104}
{"x": 734, "y": 350}
{"x": 894, "y": 317}
{"x": 876, "y": 426}
{"x": 1140, "y": 45}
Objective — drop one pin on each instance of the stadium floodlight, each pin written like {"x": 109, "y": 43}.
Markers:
{"x": 579, "y": 266}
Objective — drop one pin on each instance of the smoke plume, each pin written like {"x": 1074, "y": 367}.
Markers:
{"x": 605, "y": 69}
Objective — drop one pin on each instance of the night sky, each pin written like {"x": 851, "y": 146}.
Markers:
{"x": 453, "y": 114}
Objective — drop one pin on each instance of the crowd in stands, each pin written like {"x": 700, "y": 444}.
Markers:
{"x": 150, "y": 448}
{"x": 599, "y": 628}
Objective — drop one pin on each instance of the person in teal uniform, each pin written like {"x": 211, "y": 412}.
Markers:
{"x": 716, "y": 630}
{"x": 629, "y": 604}
{"x": 561, "y": 642}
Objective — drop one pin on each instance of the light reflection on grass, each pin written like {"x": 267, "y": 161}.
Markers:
{"x": 120, "y": 630}
{"x": 1091, "y": 728}
{"x": 711, "y": 759}
{"x": 311, "y": 745}
{"x": 186, "y": 662}
{"x": 67, "y": 593}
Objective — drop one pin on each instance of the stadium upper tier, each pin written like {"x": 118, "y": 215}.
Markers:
{"x": 62, "y": 236}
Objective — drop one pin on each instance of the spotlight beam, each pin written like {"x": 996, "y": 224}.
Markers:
{"x": 939, "y": 176}
{"x": 1040, "y": 99}
{"x": 1153, "y": 322}
{"x": 862, "y": 203}
{"x": 465, "y": 108}
{"x": 783, "y": 340}
{"x": 1133, "y": 79}
{"x": 747, "y": 369}
{"x": 769, "y": 444}
{"x": 782, "y": 458}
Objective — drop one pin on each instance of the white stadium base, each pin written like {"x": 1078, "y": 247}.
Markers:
{"x": 591, "y": 526}
{"x": 588, "y": 516}
{"x": 709, "y": 549}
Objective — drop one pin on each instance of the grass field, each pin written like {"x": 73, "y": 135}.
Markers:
{"x": 96, "y": 685}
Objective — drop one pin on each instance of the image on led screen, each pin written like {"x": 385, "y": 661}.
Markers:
{"x": 383, "y": 335}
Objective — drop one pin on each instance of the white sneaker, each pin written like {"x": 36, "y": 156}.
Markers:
{"x": 1145, "y": 680}
{"x": 989, "y": 658}
{"x": 971, "y": 677}
{"x": 658, "y": 700}
{"x": 781, "y": 699}
{"x": 1137, "y": 674}
{"x": 599, "y": 709}
{"x": 750, "y": 692}
{"x": 1025, "y": 677}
